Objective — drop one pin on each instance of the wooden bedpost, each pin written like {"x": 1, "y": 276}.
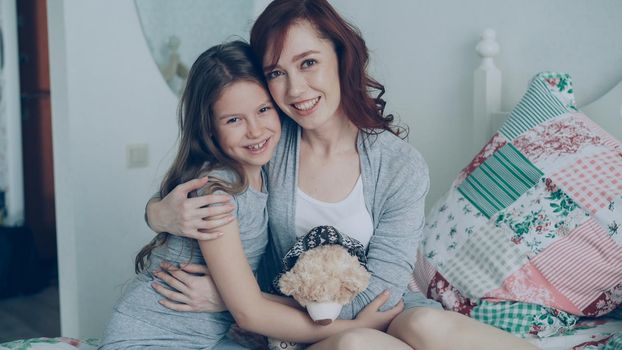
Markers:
{"x": 486, "y": 90}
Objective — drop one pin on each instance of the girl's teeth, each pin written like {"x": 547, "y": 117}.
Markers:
{"x": 257, "y": 146}
{"x": 306, "y": 105}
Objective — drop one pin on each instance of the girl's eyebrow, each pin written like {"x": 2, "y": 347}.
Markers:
{"x": 267, "y": 102}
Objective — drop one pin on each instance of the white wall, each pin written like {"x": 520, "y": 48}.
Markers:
{"x": 107, "y": 92}
{"x": 424, "y": 53}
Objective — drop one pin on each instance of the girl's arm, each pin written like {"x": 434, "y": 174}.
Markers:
{"x": 284, "y": 300}
{"x": 252, "y": 311}
{"x": 196, "y": 292}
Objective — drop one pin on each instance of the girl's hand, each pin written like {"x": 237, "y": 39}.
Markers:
{"x": 195, "y": 289}
{"x": 190, "y": 217}
{"x": 370, "y": 317}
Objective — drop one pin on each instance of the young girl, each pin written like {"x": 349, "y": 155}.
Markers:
{"x": 229, "y": 130}
{"x": 340, "y": 162}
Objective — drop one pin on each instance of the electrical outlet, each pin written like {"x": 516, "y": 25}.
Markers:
{"x": 137, "y": 155}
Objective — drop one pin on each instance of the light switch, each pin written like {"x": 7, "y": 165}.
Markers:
{"x": 137, "y": 155}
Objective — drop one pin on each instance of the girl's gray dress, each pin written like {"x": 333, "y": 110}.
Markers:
{"x": 139, "y": 321}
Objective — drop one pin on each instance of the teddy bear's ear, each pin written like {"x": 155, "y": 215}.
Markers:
{"x": 352, "y": 286}
{"x": 289, "y": 284}
{"x": 356, "y": 282}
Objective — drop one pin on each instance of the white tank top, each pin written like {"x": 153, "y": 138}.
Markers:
{"x": 349, "y": 216}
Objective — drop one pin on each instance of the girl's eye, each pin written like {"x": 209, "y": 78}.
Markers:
{"x": 264, "y": 109}
{"x": 308, "y": 63}
{"x": 273, "y": 74}
{"x": 232, "y": 120}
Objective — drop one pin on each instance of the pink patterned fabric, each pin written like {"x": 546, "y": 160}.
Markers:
{"x": 530, "y": 286}
{"x": 592, "y": 181}
{"x": 606, "y": 139}
{"x": 422, "y": 275}
{"x": 560, "y": 136}
{"x": 583, "y": 264}
{"x": 450, "y": 297}
{"x": 606, "y": 302}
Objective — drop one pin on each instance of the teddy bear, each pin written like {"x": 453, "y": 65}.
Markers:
{"x": 323, "y": 271}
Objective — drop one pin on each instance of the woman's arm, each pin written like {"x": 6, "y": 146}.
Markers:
{"x": 393, "y": 246}
{"x": 189, "y": 217}
{"x": 252, "y": 311}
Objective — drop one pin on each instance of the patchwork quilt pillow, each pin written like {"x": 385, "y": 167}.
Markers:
{"x": 533, "y": 222}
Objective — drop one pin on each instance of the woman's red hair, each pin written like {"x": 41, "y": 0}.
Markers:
{"x": 357, "y": 87}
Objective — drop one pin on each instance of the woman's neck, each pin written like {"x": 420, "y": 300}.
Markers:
{"x": 333, "y": 138}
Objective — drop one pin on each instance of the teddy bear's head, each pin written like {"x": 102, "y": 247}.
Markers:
{"x": 326, "y": 274}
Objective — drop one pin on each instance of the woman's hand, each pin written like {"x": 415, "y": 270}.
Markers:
{"x": 190, "y": 217}
{"x": 370, "y": 317}
{"x": 195, "y": 289}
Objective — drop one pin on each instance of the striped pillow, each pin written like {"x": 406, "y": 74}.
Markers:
{"x": 534, "y": 218}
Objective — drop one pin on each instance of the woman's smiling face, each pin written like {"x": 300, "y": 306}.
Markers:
{"x": 305, "y": 81}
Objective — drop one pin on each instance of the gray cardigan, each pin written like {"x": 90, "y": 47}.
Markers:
{"x": 395, "y": 183}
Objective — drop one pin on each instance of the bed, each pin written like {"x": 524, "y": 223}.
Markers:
{"x": 528, "y": 238}
{"x": 551, "y": 323}
{"x": 606, "y": 111}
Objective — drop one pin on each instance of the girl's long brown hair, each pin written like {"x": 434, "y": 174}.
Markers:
{"x": 198, "y": 152}
{"x": 357, "y": 87}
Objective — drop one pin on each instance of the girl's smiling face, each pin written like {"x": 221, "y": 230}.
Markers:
{"x": 247, "y": 125}
{"x": 305, "y": 81}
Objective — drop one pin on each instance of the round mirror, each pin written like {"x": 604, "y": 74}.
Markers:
{"x": 177, "y": 32}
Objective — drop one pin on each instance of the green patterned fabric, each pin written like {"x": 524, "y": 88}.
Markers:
{"x": 500, "y": 180}
{"x": 522, "y": 318}
{"x": 511, "y": 317}
{"x": 60, "y": 343}
{"x": 536, "y": 106}
{"x": 614, "y": 343}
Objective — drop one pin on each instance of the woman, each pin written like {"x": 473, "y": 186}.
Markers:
{"x": 229, "y": 130}
{"x": 341, "y": 163}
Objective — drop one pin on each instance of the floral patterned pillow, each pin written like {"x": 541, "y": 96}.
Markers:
{"x": 534, "y": 218}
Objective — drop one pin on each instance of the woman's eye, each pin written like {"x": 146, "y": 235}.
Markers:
{"x": 274, "y": 74}
{"x": 308, "y": 63}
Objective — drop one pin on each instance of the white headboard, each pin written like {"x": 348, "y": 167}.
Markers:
{"x": 487, "y": 84}
{"x": 606, "y": 111}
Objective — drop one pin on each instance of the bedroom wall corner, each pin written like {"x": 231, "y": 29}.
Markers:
{"x": 66, "y": 247}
